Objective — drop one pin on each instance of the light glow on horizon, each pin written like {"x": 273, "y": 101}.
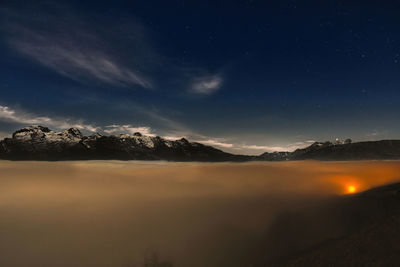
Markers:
{"x": 351, "y": 189}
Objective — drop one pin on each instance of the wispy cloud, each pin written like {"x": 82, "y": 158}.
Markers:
{"x": 215, "y": 142}
{"x": 172, "y": 138}
{"x": 10, "y": 115}
{"x": 250, "y": 149}
{"x": 164, "y": 124}
{"x": 76, "y": 63}
{"x": 71, "y": 50}
{"x": 265, "y": 148}
{"x": 375, "y": 134}
{"x": 128, "y": 128}
{"x": 206, "y": 85}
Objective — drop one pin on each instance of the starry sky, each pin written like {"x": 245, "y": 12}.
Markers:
{"x": 244, "y": 76}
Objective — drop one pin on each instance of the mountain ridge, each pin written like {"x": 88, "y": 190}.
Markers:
{"x": 41, "y": 143}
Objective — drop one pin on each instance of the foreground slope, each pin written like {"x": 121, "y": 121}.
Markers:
{"x": 373, "y": 222}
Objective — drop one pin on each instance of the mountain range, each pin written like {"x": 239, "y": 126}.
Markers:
{"x": 42, "y": 143}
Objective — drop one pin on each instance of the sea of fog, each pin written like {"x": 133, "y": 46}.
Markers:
{"x": 120, "y": 213}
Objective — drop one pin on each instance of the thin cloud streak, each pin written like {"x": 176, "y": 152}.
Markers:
{"x": 72, "y": 50}
{"x": 213, "y": 142}
{"x": 129, "y": 129}
{"x": 172, "y": 138}
{"x": 289, "y": 147}
{"x": 76, "y": 63}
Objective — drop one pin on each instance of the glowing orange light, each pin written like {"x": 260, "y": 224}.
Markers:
{"x": 351, "y": 189}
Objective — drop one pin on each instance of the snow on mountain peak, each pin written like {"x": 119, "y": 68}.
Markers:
{"x": 30, "y": 132}
{"x": 39, "y": 132}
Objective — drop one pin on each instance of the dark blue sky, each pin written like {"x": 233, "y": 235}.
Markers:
{"x": 247, "y": 76}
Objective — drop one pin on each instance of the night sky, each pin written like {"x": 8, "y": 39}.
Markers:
{"x": 244, "y": 76}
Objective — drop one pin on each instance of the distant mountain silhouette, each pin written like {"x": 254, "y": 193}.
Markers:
{"x": 371, "y": 150}
{"x": 41, "y": 143}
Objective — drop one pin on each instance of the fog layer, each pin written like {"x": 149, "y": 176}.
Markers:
{"x": 112, "y": 213}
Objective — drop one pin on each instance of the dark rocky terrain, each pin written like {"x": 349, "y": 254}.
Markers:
{"x": 359, "y": 230}
{"x": 41, "y": 143}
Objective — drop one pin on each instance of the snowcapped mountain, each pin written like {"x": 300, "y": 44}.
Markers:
{"x": 41, "y": 143}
